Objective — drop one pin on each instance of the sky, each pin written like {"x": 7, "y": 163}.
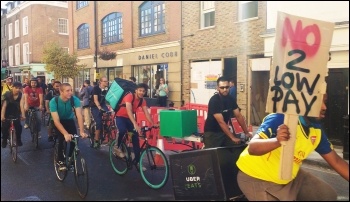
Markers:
{"x": 3, "y": 4}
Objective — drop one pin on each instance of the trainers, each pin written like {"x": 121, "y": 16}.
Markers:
{"x": 26, "y": 126}
{"x": 118, "y": 152}
{"x": 4, "y": 143}
{"x": 62, "y": 165}
{"x": 143, "y": 168}
{"x": 50, "y": 139}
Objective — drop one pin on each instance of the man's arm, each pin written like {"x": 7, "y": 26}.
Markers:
{"x": 3, "y": 109}
{"x": 82, "y": 92}
{"x": 220, "y": 119}
{"x": 241, "y": 122}
{"x": 80, "y": 121}
{"x": 25, "y": 100}
{"x": 97, "y": 103}
{"x": 148, "y": 116}
{"x": 41, "y": 99}
{"x": 59, "y": 126}
{"x": 128, "y": 107}
{"x": 21, "y": 106}
{"x": 337, "y": 163}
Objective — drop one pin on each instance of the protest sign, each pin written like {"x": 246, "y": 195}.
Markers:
{"x": 297, "y": 77}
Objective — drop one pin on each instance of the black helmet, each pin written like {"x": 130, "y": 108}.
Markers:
{"x": 17, "y": 84}
{"x": 34, "y": 79}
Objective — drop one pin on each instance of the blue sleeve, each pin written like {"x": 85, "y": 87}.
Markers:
{"x": 325, "y": 146}
{"x": 270, "y": 124}
{"x": 53, "y": 105}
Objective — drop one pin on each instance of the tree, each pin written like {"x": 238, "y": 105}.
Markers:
{"x": 60, "y": 62}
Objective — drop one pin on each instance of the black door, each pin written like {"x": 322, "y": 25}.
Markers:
{"x": 337, "y": 104}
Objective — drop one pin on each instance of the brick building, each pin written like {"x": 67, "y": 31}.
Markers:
{"x": 30, "y": 25}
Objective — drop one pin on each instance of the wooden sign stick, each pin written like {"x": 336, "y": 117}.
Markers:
{"x": 287, "y": 152}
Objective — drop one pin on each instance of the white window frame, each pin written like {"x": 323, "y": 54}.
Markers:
{"x": 63, "y": 26}
{"x": 25, "y": 27}
{"x": 26, "y": 53}
{"x": 17, "y": 54}
{"x": 240, "y": 11}
{"x": 207, "y": 7}
{"x": 16, "y": 28}
{"x": 10, "y": 31}
{"x": 10, "y": 56}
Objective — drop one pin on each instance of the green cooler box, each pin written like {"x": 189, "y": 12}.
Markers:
{"x": 178, "y": 123}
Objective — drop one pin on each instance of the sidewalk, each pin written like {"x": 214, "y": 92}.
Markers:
{"x": 316, "y": 159}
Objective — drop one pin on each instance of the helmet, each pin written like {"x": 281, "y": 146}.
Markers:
{"x": 34, "y": 79}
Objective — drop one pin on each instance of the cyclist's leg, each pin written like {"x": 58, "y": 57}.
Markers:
{"x": 87, "y": 117}
{"x": 135, "y": 140}
{"x": 60, "y": 146}
{"x": 18, "y": 128}
{"x": 98, "y": 120}
{"x": 69, "y": 126}
{"x": 5, "y": 126}
{"x": 50, "y": 129}
{"x": 122, "y": 129}
{"x": 26, "y": 122}
{"x": 38, "y": 120}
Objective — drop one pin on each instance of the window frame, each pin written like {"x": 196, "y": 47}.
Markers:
{"x": 25, "y": 26}
{"x": 10, "y": 56}
{"x": 241, "y": 12}
{"x": 143, "y": 13}
{"x": 26, "y": 53}
{"x": 204, "y": 12}
{"x": 10, "y": 31}
{"x": 64, "y": 26}
{"x": 81, "y": 4}
{"x": 16, "y": 28}
{"x": 86, "y": 42}
{"x": 111, "y": 20}
{"x": 17, "y": 54}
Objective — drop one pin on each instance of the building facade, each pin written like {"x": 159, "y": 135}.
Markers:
{"x": 30, "y": 25}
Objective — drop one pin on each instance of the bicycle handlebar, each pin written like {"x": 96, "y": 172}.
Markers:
{"x": 147, "y": 128}
{"x": 11, "y": 119}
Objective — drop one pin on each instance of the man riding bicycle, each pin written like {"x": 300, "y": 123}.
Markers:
{"x": 126, "y": 121}
{"x": 63, "y": 117}
{"x": 33, "y": 98}
{"x": 12, "y": 108}
{"x": 55, "y": 91}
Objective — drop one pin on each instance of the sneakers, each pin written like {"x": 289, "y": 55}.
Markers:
{"x": 25, "y": 126}
{"x": 96, "y": 144}
{"x": 50, "y": 139}
{"x": 138, "y": 167}
{"x": 62, "y": 166}
{"x": 118, "y": 152}
{"x": 4, "y": 143}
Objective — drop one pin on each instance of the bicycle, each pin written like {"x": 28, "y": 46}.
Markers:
{"x": 12, "y": 140}
{"x": 75, "y": 164}
{"x": 153, "y": 164}
{"x": 108, "y": 132}
{"x": 44, "y": 118}
{"x": 33, "y": 126}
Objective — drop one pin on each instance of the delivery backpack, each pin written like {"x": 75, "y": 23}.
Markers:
{"x": 118, "y": 90}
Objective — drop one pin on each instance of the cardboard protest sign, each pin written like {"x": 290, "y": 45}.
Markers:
{"x": 297, "y": 77}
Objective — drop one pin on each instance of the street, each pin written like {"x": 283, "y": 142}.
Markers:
{"x": 32, "y": 177}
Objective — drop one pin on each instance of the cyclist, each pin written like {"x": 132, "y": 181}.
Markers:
{"x": 8, "y": 85}
{"x": 55, "y": 91}
{"x": 98, "y": 107}
{"x": 63, "y": 117}
{"x": 126, "y": 121}
{"x": 33, "y": 98}
{"x": 12, "y": 108}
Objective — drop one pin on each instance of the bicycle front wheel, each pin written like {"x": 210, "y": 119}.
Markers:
{"x": 92, "y": 130}
{"x": 81, "y": 175}
{"x": 60, "y": 173}
{"x": 13, "y": 145}
{"x": 154, "y": 167}
{"x": 118, "y": 163}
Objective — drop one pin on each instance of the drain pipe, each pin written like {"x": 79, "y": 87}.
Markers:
{"x": 96, "y": 37}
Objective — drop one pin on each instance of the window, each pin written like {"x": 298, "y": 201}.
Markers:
{"x": 10, "y": 31}
{"x": 26, "y": 53}
{"x": 16, "y": 28}
{"x": 81, "y": 4}
{"x": 62, "y": 26}
{"x": 25, "y": 25}
{"x": 207, "y": 14}
{"x": 17, "y": 55}
{"x": 10, "y": 55}
{"x": 248, "y": 9}
{"x": 152, "y": 17}
{"x": 112, "y": 28}
{"x": 83, "y": 36}
{"x": 65, "y": 49}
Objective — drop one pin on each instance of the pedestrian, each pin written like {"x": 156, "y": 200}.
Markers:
{"x": 86, "y": 94}
{"x": 233, "y": 90}
{"x": 259, "y": 163}
{"x": 221, "y": 109}
{"x": 54, "y": 92}
{"x": 12, "y": 108}
{"x": 162, "y": 92}
{"x": 133, "y": 79}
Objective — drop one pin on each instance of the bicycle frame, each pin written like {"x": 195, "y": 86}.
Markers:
{"x": 12, "y": 138}
{"x": 33, "y": 126}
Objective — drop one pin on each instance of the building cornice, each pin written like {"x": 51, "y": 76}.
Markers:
{"x": 26, "y": 4}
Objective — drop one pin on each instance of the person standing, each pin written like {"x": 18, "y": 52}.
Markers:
{"x": 133, "y": 79}
{"x": 86, "y": 94}
{"x": 233, "y": 90}
{"x": 51, "y": 94}
{"x": 221, "y": 108}
{"x": 258, "y": 175}
{"x": 25, "y": 83}
{"x": 162, "y": 92}
{"x": 12, "y": 108}
{"x": 42, "y": 85}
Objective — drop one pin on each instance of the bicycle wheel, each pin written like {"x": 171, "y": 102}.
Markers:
{"x": 81, "y": 175}
{"x": 119, "y": 164}
{"x": 13, "y": 145}
{"x": 31, "y": 128}
{"x": 35, "y": 134}
{"x": 61, "y": 174}
{"x": 92, "y": 130}
{"x": 154, "y": 167}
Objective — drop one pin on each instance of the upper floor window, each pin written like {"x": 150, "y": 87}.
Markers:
{"x": 207, "y": 14}
{"x": 26, "y": 53}
{"x": 62, "y": 26}
{"x": 83, "y": 36}
{"x": 16, "y": 28}
{"x": 112, "y": 28}
{"x": 248, "y": 9}
{"x": 81, "y": 4}
{"x": 152, "y": 17}
{"x": 25, "y": 25}
{"x": 10, "y": 55}
{"x": 10, "y": 31}
{"x": 17, "y": 54}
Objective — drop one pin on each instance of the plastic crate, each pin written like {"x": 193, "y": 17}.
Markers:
{"x": 178, "y": 123}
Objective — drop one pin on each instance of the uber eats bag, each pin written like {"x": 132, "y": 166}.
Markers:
{"x": 118, "y": 89}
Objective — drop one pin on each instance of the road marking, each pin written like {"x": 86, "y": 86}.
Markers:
{"x": 26, "y": 162}
{"x": 30, "y": 198}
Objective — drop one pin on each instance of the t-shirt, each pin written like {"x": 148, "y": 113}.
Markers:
{"x": 6, "y": 88}
{"x": 13, "y": 106}
{"x": 101, "y": 95}
{"x": 128, "y": 98}
{"x": 219, "y": 104}
{"x": 51, "y": 94}
{"x": 266, "y": 167}
{"x": 33, "y": 96}
{"x": 64, "y": 109}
